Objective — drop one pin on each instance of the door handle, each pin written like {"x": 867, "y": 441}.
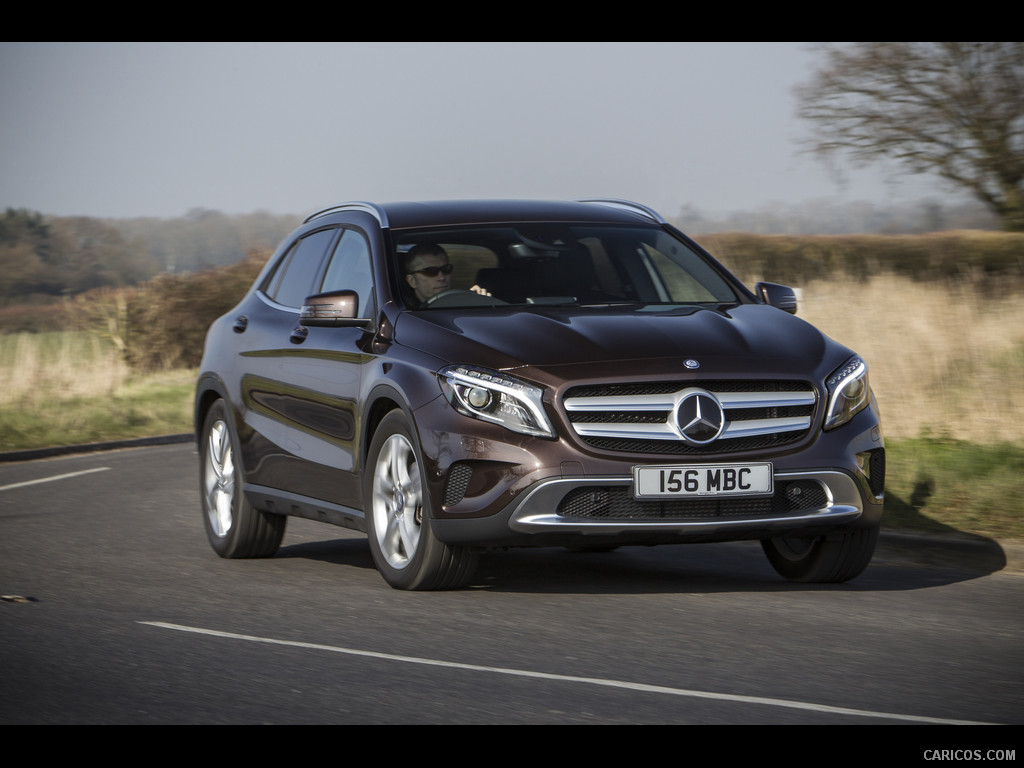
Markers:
{"x": 241, "y": 323}
{"x": 299, "y": 335}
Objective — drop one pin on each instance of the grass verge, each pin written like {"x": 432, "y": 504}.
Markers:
{"x": 159, "y": 404}
{"x": 937, "y": 485}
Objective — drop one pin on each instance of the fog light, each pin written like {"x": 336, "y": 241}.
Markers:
{"x": 862, "y": 462}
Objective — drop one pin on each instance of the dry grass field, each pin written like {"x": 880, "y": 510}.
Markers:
{"x": 36, "y": 369}
{"x": 943, "y": 362}
{"x": 71, "y": 387}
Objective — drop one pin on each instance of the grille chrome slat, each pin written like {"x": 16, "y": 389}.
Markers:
{"x": 620, "y": 403}
{"x": 733, "y": 429}
{"x": 751, "y": 427}
{"x": 764, "y": 399}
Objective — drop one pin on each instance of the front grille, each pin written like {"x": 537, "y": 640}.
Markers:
{"x": 617, "y": 503}
{"x": 639, "y": 417}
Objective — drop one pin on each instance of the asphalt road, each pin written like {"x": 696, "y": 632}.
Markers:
{"x": 116, "y": 610}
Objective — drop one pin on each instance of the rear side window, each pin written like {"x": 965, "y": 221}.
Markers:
{"x": 296, "y": 275}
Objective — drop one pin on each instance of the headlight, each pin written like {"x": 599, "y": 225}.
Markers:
{"x": 848, "y": 393}
{"x": 497, "y": 398}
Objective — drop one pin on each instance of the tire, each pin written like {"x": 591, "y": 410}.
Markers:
{"x": 829, "y": 559}
{"x": 398, "y": 516}
{"x": 235, "y": 529}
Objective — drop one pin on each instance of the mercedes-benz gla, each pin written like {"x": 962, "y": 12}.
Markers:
{"x": 449, "y": 377}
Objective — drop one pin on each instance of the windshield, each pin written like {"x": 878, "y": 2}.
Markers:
{"x": 553, "y": 264}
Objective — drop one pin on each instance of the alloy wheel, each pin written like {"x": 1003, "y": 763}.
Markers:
{"x": 397, "y": 501}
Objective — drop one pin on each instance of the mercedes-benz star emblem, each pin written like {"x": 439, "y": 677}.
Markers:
{"x": 700, "y": 417}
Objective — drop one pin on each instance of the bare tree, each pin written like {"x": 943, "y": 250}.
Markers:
{"x": 951, "y": 109}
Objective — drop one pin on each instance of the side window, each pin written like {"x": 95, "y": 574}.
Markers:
{"x": 350, "y": 270}
{"x": 294, "y": 279}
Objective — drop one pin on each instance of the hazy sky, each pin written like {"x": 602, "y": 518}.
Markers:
{"x": 155, "y": 129}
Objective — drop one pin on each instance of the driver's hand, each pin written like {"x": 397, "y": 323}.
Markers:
{"x": 481, "y": 291}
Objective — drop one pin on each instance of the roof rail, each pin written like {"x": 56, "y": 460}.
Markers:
{"x": 628, "y": 205}
{"x": 371, "y": 208}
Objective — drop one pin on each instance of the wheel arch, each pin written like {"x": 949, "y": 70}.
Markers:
{"x": 381, "y": 401}
{"x": 401, "y": 385}
{"x": 209, "y": 390}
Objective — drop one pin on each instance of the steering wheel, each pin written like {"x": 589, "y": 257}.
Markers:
{"x": 460, "y": 297}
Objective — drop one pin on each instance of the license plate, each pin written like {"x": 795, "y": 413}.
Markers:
{"x": 702, "y": 480}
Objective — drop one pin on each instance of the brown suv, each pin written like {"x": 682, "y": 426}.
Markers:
{"x": 453, "y": 376}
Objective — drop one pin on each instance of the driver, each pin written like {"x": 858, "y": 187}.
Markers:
{"x": 427, "y": 271}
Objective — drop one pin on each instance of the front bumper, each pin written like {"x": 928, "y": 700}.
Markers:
{"x": 495, "y": 489}
{"x": 566, "y": 510}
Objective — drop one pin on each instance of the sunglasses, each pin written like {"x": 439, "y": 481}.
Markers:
{"x": 434, "y": 271}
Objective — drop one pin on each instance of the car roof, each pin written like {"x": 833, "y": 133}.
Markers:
{"x": 427, "y": 213}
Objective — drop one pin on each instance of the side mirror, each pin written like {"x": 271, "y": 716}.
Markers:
{"x": 335, "y": 309}
{"x": 781, "y": 296}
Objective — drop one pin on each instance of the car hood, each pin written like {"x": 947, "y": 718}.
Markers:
{"x": 744, "y": 338}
